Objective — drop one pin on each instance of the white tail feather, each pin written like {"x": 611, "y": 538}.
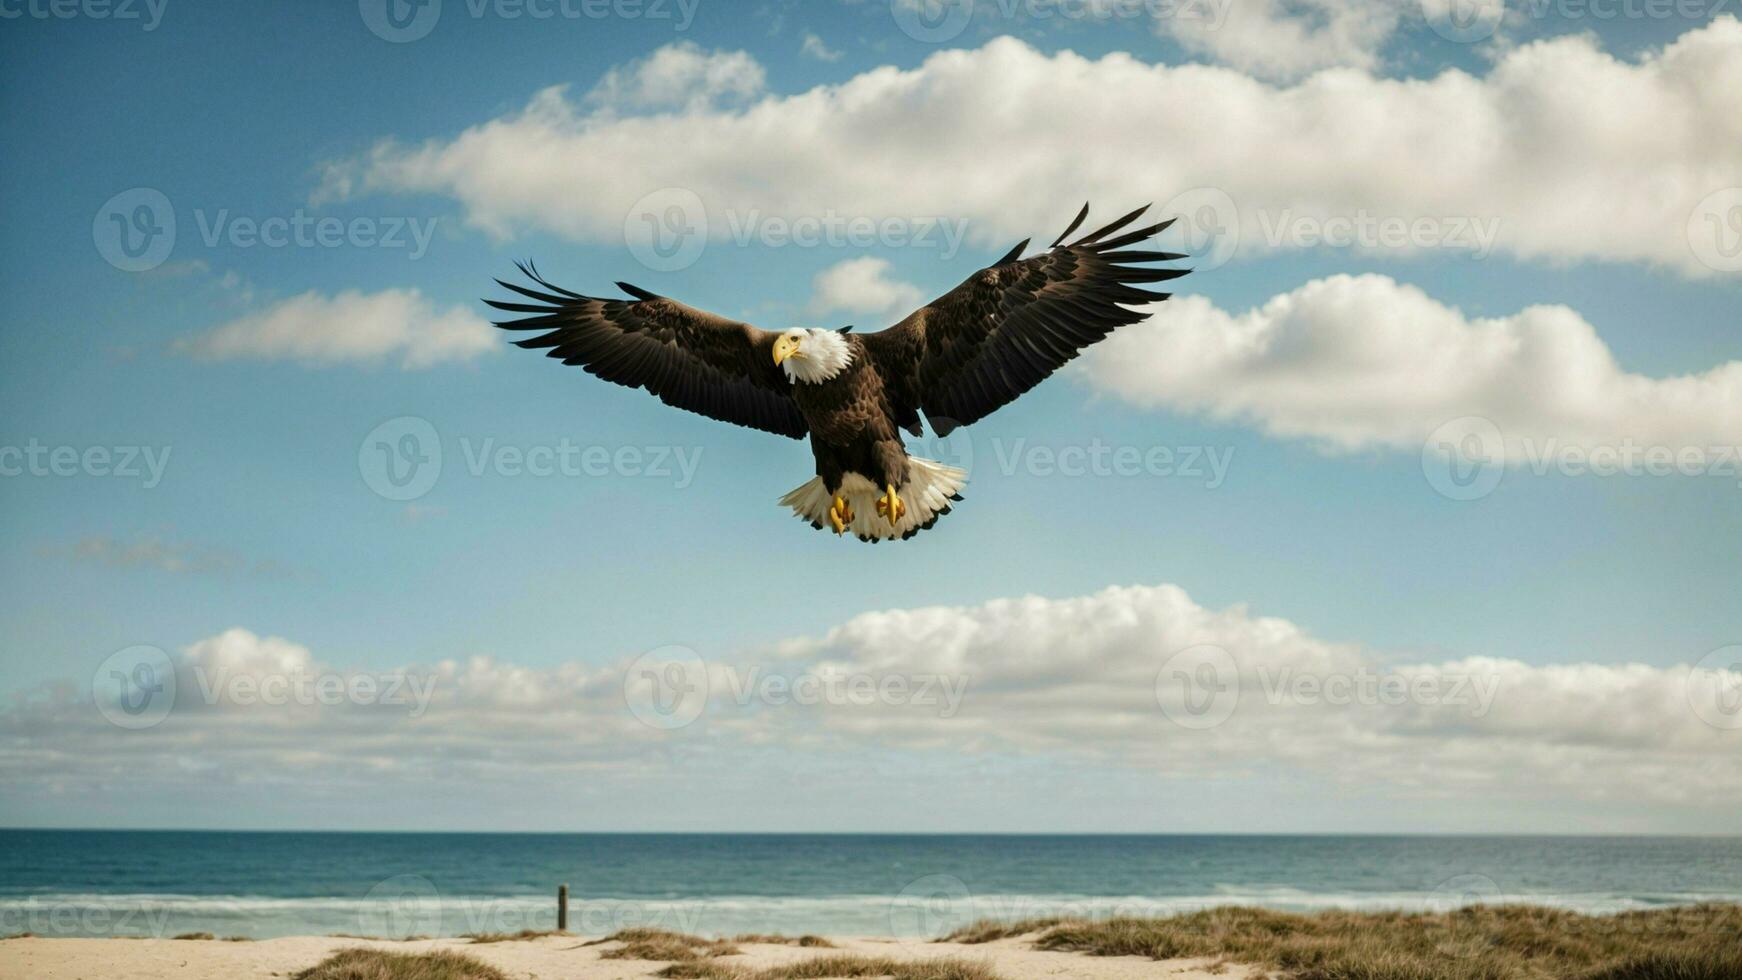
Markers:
{"x": 930, "y": 490}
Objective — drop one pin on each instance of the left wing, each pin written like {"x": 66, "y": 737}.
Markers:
{"x": 1010, "y": 325}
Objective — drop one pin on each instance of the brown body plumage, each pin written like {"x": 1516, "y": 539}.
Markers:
{"x": 957, "y": 359}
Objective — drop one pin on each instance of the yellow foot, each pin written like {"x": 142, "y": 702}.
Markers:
{"x": 840, "y": 515}
{"x": 890, "y": 506}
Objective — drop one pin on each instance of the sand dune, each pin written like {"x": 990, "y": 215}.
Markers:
{"x": 548, "y": 958}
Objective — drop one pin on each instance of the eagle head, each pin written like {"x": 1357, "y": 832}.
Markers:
{"x": 812, "y": 356}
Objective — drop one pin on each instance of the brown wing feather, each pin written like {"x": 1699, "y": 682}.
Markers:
{"x": 691, "y": 359}
{"x": 1010, "y": 325}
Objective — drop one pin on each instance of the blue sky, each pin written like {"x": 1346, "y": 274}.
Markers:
{"x": 263, "y": 521}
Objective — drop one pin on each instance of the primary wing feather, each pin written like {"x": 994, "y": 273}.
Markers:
{"x": 1010, "y": 325}
{"x": 689, "y": 358}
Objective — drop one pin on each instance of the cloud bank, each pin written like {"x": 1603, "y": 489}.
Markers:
{"x": 1141, "y": 678}
{"x": 1358, "y": 362}
{"x": 1583, "y": 155}
{"x": 350, "y": 328}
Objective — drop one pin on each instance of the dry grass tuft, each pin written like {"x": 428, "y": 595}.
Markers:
{"x": 759, "y": 938}
{"x": 662, "y": 945}
{"x": 1702, "y": 942}
{"x": 842, "y": 966}
{"x": 992, "y": 930}
{"x": 511, "y": 937}
{"x": 375, "y": 964}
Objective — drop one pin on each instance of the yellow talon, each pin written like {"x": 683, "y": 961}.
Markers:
{"x": 840, "y": 515}
{"x": 890, "y": 506}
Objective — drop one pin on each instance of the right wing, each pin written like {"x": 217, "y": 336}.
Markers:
{"x": 689, "y": 358}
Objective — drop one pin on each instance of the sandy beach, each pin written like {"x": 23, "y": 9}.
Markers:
{"x": 546, "y": 958}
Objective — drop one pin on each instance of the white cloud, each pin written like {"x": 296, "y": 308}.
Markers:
{"x": 163, "y": 554}
{"x": 1285, "y": 39}
{"x": 1364, "y": 361}
{"x": 680, "y": 75}
{"x": 351, "y": 327}
{"x": 1578, "y": 155}
{"x": 815, "y": 47}
{"x": 1088, "y": 680}
{"x": 863, "y": 285}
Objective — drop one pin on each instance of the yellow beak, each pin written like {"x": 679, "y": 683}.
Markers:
{"x": 784, "y": 347}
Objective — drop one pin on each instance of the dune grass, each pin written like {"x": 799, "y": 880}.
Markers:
{"x": 478, "y": 938}
{"x": 839, "y": 965}
{"x": 1701, "y": 942}
{"x": 662, "y": 945}
{"x": 765, "y": 939}
{"x": 375, "y": 964}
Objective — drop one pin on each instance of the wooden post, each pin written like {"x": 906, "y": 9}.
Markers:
{"x": 562, "y": 908}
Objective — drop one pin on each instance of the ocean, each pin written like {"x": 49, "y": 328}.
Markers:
{"x": 259, "y": 885}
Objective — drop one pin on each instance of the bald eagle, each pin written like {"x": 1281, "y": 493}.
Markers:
{"x": 957, "y": 359}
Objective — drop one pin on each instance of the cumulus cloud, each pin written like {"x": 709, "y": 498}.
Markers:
{"x": 679, "y": 75}
{"x": 863, "y": 286}
{"x": 1577, "y": 154}
{"x": 1354, "y": 362}
{"x": 349, "y": 328}
{"x": 814, "y": 47}
{"x": 1285, "y": 39}
{"x": 1142, "y": 679}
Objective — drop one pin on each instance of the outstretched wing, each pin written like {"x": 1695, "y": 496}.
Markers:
{"x": 1010, "y": 325}
{"x": 691, "y": 359}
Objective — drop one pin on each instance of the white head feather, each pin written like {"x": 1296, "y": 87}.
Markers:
{"x": 821, "y": 355}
